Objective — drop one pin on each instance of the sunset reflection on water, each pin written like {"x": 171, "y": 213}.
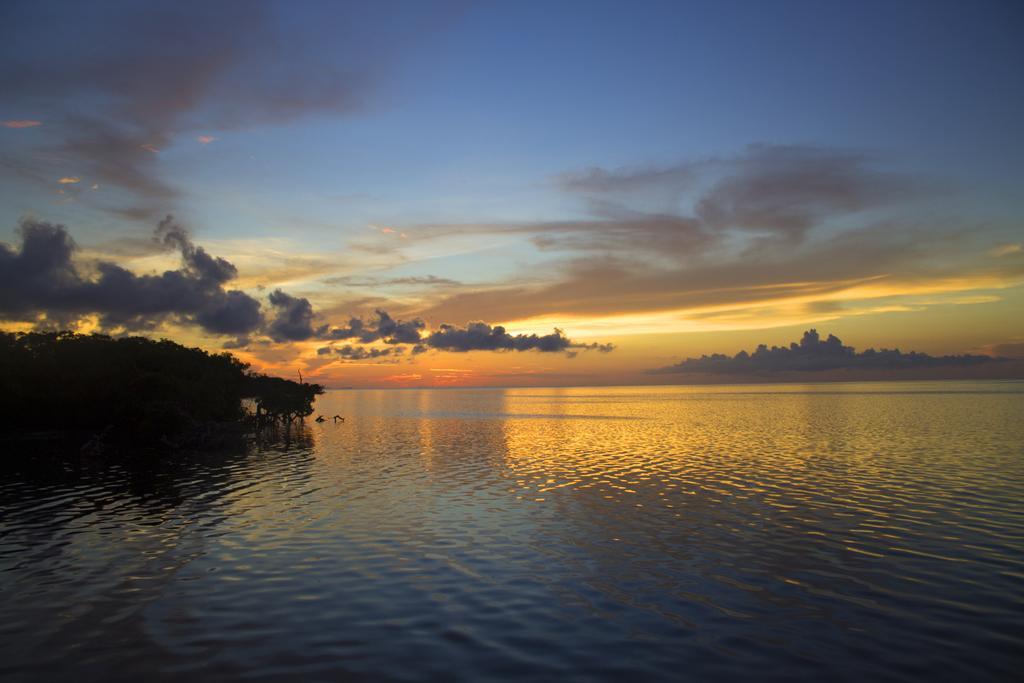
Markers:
{"x": 769, "y": 532}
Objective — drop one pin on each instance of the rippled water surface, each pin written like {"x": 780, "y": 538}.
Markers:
{"x": 818, "y": 532}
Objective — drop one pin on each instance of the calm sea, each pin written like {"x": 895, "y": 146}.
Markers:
{"x": 820, "y": 532}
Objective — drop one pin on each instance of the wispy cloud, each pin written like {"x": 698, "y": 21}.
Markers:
{"x": 789, "y": 189}
{"x": 1006, "y": 250}
{"x": 21, "y": 123}
{"x": 768, "y": 191}
{"x": 597, "y": 180}
{"x": 1006, "y": 350}
{"x": 128, "y": 80}
{"x": 881, "y": 261}
{"x": 408, "y": 281}
{"x": 774, "y": 226}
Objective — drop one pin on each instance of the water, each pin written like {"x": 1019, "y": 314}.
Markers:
{"x": 839, "y": 532}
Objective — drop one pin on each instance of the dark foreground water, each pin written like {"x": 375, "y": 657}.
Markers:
{"x": 818, "y": 532}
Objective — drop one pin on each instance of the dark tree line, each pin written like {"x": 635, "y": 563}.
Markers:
{"x": 137, "y": 389}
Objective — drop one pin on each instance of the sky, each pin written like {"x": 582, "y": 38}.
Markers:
{"x": 516, "y": 193}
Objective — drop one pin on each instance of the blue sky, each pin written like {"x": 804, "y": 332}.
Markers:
{"x": 338, "y": 128}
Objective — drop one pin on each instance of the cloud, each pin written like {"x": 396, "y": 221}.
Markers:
{"x": 41, "y": 283}
{"x": 695, "y": 208}
{"x": 206, "y": 139}
{"x": 119, "y": 156}
{"x": 773, "y": 188}
{"x": 210, "y": 268}
{"x": 411, "y": 281}
{"x": 812, "y": 354}
{"x": 597, "y": 180}
{"x": 1007, "y": 350}
{"x": 69, "y": 180}
{"x": 615, "y": 229}
{"x": 475, "y": 336}
{"x": 479, "y": 336}
{"x": 789, "y": 189}
{"x": 384, "y": 328}
{"x": 126, "y": 80}
{"x": 610, "y": 228}
{"x": 595, "y": 346}
{"x": 1006, "y": 250}
{"x": 359, "y": 352}
{"x": 293, "y": 318}
{"x": 398, "y": 332}
{"x": 21, "y": 123}
{"x": 883, "y": 260}
{"x": 237, "y": 343}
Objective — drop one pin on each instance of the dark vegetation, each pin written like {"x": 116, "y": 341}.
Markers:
{"x": 137, "y": 391}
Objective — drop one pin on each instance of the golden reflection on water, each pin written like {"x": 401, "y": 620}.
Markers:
{"x": 845, "y": 461}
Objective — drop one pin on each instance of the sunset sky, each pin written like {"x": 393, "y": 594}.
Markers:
{"x": 655, "y": 180}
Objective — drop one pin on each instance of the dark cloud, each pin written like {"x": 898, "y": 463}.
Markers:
{"x": 363, "y": 353}
{"x": 359, "y": 353}
{"x": 231, "y": 312}
{"x": 383, "y": 327}
{"x": 475, "y": 336}
{"x": 210, "y": 268}
{"x": 353, "y": 330}
{"x": 812, "y": 354}
{"x": 293, "y": 317}
{"x": 479, "y": 336}
{"x": 396, "y": 331}
{"x": 41, "y": 281}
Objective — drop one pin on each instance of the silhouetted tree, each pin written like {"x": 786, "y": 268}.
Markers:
{"x": 136, "y": 389}
{"x": 279, "y": 399}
